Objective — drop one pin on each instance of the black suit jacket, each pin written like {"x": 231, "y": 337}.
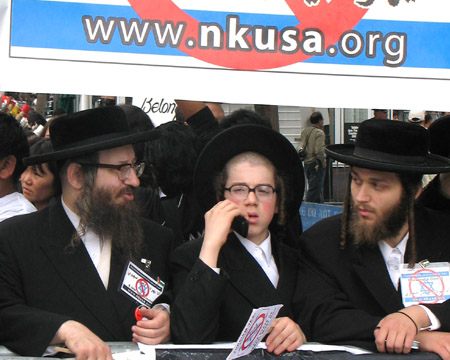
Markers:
{"x": 342, "y": 294}
{"x": 209, "y": 307}
{"x": 43, "y": 283}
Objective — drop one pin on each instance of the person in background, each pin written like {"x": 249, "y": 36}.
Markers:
{"x": 40, "y": 182}
{"x": 380, "y": 114}
{"x": 437, "y": 193}
{"x": 313, "y": 140}
{"x": 253, "y": 172}
{"x": 352, "y": 264}
{"x": 13, "y": 148}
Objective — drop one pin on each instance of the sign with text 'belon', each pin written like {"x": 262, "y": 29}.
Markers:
{"x": 346, "y": 53}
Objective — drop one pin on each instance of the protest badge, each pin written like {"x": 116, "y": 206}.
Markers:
{"x": 143, "y": 287}
{"x": 428, "y": 284}
{"x": 256, "y": 328}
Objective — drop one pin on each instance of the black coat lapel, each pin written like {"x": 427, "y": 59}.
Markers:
{"x": 370, "y": 267}
{"x": 77, "y": 270}
{"x": 246, "y": 276}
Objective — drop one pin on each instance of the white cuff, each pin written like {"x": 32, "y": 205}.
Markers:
{"x": 435, "y": 323}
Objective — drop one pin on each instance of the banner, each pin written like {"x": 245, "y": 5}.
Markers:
{"x": 329, "y": 53}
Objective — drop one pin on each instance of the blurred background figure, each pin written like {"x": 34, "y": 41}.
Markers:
{"x": 40, "y": 182}
{"x": 313, "y": 141}
{"x": 172, "y": 158}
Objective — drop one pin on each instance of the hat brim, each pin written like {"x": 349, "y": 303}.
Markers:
{"x": 93, "y": 146}
{"x": 244, "y": 138}
{"x": 432, "y": 164}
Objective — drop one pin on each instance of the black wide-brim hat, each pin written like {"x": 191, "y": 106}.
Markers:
{"x": 243, "y": 138}
{"x": 440, "y": 136}
{"x": 391, "y": 146}
{"x": 89, "y": 131}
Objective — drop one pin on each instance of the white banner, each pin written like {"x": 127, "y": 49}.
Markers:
{"x": 318, "y": 53}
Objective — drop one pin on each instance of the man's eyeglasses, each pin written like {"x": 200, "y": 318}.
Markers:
{"x": 124, "y": 169}
{"x": 262, "y": 192}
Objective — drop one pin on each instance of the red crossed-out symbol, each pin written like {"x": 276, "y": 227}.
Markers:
{"x": 142, "y": 287}
{"x": 333, "y": 19}
{"x": 437, "y": 295}
{"x": 253, "y": 332}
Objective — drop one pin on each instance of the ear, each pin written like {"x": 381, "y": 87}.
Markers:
{"x": 74, "y": 176}
{"x": 7, "y": 166}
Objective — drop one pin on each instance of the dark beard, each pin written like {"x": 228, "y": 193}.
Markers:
{"x": 99, "y": 213}
{"x": 388, "y": 226}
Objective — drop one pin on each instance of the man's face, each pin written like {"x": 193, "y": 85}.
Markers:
{"x": 107, "y": 208}
{"x": 378, "y": 209}
{"x": 121, "y": 191}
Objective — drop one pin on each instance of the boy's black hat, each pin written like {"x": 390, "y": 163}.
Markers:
{"x": 243, "y": 138}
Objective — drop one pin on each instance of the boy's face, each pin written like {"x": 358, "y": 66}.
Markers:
{"x": 258, "y": 213}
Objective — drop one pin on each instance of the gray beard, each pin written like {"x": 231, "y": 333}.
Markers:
{"x": 388, "y": 226}
{"x": 121, "y": 222}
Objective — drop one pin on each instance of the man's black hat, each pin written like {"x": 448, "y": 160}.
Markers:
{"x": 391, "y": 146}
{"x": 89, "y": 131}
{"x": 440, "y": 136}
{"x": 242, "y": 138}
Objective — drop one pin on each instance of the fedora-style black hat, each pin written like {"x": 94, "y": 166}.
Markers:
{"x": 391, "y": 146}
{"x": 440, "y": 136}
{"x": 242, "y": 138}
{"x": 89, "y": 131}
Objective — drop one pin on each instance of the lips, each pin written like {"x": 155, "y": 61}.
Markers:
{"x": 26, "y": 190}
{"x": 252, "y": 218}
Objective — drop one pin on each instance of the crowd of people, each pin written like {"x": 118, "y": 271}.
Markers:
{"x": 106, "y": 192}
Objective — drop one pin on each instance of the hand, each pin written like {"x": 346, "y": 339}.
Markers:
{"x": 285, "y": 335}
{"x": 435, "y": 341}
{"x": 217, "y": 227}
{"x": 396, "y": 332}
{"x": 81, "y": 341}
{"x": 154, "y": 330}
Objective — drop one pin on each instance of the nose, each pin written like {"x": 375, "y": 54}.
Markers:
{"x": 132, "y": 180}
{"x": 26, "y": 177}
{"x": 361, "y": 194}
{"x": 251, "y": 198}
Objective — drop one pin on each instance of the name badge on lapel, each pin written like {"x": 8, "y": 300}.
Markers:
{"x": 427, "y": 283}
{"x": 141, "y": 286}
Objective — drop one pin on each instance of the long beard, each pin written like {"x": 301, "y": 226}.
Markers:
{"x": 387, "y": 226}
{"x": 99, "y": 213}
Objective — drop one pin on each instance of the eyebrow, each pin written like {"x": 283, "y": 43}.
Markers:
{"x": 376, "y": 179}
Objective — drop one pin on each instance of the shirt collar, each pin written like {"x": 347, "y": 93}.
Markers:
{"x": 386, "y": 249}
{"x": 266, "y": 246}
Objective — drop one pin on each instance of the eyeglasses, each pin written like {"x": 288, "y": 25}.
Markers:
{"x": 124, "y": 169}
{"x": 262, "y": 192}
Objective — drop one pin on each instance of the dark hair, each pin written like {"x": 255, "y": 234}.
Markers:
{"x": 35, "y": 118}
{"x": 13, "y": 141}
{"x": 243, "y": 116}
{"x": 44, "y": 146}
{"x": 173, "y": 157}
{"x": 315, "y": 117}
